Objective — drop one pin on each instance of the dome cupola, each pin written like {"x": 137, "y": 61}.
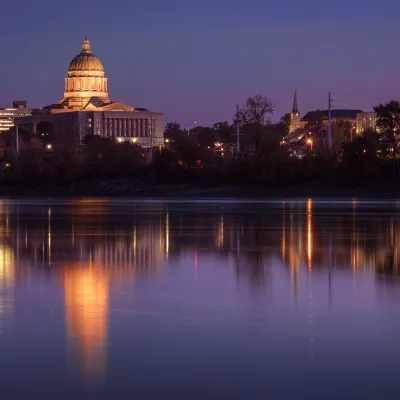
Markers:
{"x": 86, "y": 79}
{"x": 86, "y": 60}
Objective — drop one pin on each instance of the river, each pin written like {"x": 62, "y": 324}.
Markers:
{"x": 114, "y": 299}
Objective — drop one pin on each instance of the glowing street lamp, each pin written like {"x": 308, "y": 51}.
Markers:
{"x": 191, "y": 124}
{"x": 49, "y": 146}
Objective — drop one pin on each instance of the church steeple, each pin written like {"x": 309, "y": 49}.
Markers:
{"x": 295, "y": 122}
{"x": 295, "y": 109}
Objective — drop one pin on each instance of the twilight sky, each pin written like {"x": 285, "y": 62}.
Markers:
{"x": 195, "y": 60}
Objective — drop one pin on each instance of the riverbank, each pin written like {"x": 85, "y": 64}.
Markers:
{"x": 135, "y": 189}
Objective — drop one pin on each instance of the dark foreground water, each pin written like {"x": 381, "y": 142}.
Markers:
{"x": 119, "y": 300}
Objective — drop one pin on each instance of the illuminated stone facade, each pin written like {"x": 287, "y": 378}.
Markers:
{"x": 86, "y": 109}
{"x": 366, "y": 121}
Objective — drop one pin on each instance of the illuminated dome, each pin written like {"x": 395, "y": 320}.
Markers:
{"x": 86, "y": 60}
{"x": 86, "y": 80}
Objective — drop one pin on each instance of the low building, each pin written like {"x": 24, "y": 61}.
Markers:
{"x": 86, "y": 109}
{"x": 8, "y": 115}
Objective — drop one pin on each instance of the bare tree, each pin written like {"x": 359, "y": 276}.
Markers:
{"x": 257, "y": 110}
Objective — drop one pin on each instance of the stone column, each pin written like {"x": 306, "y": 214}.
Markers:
{"x": 130, "y": 127}
{"x": 111, "y": 133}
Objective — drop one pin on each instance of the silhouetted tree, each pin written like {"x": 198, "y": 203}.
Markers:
{"x": 388, "y": 121}
{"x": 285, "y": 123}
{"x": 172, "y": 129}
{"x": 257, "y": 110}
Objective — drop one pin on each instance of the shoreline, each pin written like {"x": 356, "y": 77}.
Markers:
{"x": 135, "y": 190}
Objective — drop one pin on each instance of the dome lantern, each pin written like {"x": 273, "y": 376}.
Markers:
{"x": 86, "y": 46}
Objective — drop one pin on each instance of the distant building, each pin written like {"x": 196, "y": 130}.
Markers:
{"x": 86, "y": 109}
{"x": 366, "y": 121}
{"x": 8, "y": 115}
{"x": 336, "y": 115}
{"x": 296, "y": 122}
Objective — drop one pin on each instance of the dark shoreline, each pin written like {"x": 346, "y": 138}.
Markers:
{"x": 132, "y": 189}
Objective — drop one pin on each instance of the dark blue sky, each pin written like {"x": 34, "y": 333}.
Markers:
{"x": 194, "y": 60}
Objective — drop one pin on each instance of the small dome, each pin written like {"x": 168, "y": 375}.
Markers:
{"x": 86, "y": 60}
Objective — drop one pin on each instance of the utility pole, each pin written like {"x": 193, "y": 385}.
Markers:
{"x": 329, "y": 121}
{"x": 16, "y": 139}
{"x": 151, "y": 138}
{"x": 237, "y": 131}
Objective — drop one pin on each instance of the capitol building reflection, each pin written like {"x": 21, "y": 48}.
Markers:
{"x": 95, "y": 246}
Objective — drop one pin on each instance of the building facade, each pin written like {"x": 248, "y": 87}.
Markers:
{"x": 8, "y": 115}
{"x": 366, "y": 121}
{"x": 86, "y": 109}
{"x": 337, "y": 116}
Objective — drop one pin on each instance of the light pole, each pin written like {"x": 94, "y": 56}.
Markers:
{"x": 17, "y": 139}
{"x": 187, "y": 126}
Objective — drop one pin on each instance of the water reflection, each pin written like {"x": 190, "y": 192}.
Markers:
{"x": 98, "y": 246}
{"x": 139, "y": 236}
{"x": 86, "y": 307}
{"x": 7, "y": 282}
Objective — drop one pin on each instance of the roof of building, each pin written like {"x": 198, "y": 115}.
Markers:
{"x": 86, "y": 60}
{"x": 296, "y": 135}
{"x": 336, "y": 114}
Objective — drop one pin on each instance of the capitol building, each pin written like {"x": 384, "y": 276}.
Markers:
{"x": 86, "y": 108}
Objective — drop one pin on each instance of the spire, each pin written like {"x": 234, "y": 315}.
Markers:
{"x": 295, "y": 109}
{"x": 86, "y": 46}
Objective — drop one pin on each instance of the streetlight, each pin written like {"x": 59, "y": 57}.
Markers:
{"x": 310, "y": 143}
{"x": 187, "y": 126}
{"x": 49, "y": 146}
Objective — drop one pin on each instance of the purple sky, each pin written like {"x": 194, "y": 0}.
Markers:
{"x": 194, "y": 60}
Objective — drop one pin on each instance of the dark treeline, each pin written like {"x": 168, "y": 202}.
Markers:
{"x": 207, "y": 157}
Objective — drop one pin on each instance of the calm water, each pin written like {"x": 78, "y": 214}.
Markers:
{"x": 114, "y": 299}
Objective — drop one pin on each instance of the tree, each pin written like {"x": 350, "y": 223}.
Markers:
{"x": 315, "y": 121}
{"x": 388, "y": 121}
{"x": 358, "y": 159}
{"x": 252, "y": 117}
{"x": 225, "y": 132}
{"x": 341, "y": 131}
{"x": 172, "y": 129}
{"x": 285, "y": 123}
{"x": 257, "y": 110}
{"x": 205, "y": 136}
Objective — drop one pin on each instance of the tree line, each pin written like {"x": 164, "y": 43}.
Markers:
{"x": 207, "y": 155}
